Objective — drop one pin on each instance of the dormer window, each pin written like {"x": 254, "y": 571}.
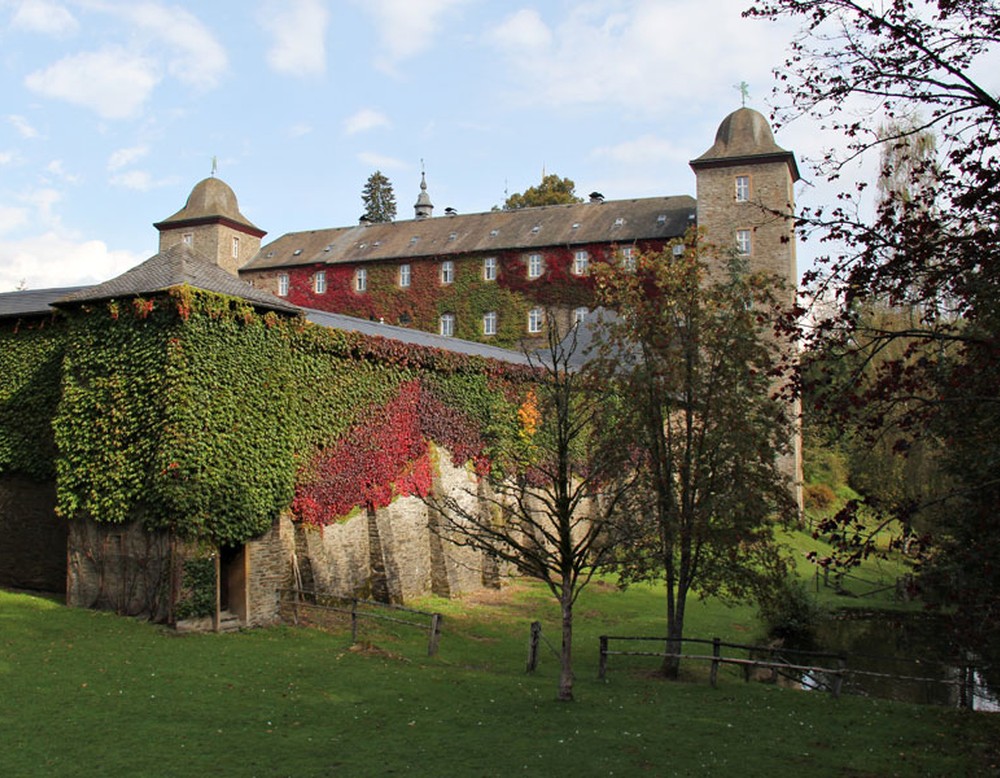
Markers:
{"x": 743, "y": 243}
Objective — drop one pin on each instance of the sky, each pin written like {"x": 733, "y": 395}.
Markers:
{"x": 111, "y": 112}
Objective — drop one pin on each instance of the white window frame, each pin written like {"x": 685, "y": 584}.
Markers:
{"x": 742, "y": 189}
{"x": 282, "y": 284}
{"x": 490, "y": 269}
{"x": 490, "y": 323}
{"x": 535, "y": 265}
{"x": 236, "y": 247}
{"x": 361, "y": 280}
{"x": 628, "y": 258}
{"x": 404, "y": 276}
{"x": 447, "y": 272}
{"x": 744, "y": 242}
{"x": 536, "y": 319}
{"x": 446, "y": 325}
{"x": 319, "y": 282}
{"x": 579, "y": 314}
{"x": 581, "y": 262}
{"x": 187, "y": 238}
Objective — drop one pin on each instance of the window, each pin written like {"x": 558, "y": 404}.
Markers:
{"x": 319, "y": 282}
{"x": 628, "y": 258}
{"x": 236, "y": 248}
{"x": 404, "y": 276}
{"x": 534, "y": 265}
{"x": 490, "y": 323}
{"x": 579, "y": 314}
{"x": 743, "y": 242}
{"x": 446, "y": 325}
{"x": 447, "y": 272}
{"x": 283, "y": 284}
{"x": 535, "y": 318}
{"x": 581, "y": 261}
{"x": 490, "y": 269}
{"x": 361, "y": 280}
{"x": 742, "y": 189}
{"x": 188, "y": 238}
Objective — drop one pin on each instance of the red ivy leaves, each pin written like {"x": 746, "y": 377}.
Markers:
{"x": 386, "y": 455}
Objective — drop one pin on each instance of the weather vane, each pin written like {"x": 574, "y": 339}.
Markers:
{"x": 744, "y": 88}
{"x": 215, "y": 164}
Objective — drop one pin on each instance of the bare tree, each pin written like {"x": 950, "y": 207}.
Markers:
{"x": 553, "y": 511}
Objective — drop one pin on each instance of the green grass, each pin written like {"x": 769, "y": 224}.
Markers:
{"x": 84, "y": 693}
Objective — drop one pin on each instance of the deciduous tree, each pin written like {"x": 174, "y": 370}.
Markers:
{"x": 552, "y": 190}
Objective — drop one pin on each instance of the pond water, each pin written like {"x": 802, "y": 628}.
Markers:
{"x": 917, "y": 650}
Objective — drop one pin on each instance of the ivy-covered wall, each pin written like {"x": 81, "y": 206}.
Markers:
{"x": 193, "y": 413}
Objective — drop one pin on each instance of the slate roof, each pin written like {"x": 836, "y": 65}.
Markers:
{"x": 413, "y": 337}
{"x": 745, "y": 135}
{"x": 613, "y": 221}
{"x": 32, "y": 302}
{"x": 173, "y": 267}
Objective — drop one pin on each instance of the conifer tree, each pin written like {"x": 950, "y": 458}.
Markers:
{"x": 379, "y": 199}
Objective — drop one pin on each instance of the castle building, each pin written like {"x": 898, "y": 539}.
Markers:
{"x": 493, "y": 277}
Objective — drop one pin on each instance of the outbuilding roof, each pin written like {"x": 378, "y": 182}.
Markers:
{"x": 614, "y": 221}
{"x": 32, "y": 302}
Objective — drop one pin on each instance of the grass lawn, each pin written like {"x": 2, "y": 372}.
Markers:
{"x": 85, "y": 693}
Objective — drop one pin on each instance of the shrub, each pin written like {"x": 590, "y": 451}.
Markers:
{"x": 818, "y": 497}
{"x": 790, "y": 614}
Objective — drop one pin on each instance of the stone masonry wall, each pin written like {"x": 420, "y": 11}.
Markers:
{"x": 32, "y": 538}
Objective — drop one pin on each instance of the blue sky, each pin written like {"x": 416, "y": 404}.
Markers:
{"x": 112, "y": 111}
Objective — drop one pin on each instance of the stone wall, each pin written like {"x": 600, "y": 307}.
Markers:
{"x": 32, "y": 538}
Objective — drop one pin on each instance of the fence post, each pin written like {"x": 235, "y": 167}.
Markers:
{"x": 602, "y": 668}
{"x": 432, "y": 646}
{"x": 533, "y": 639}
{"x": 716, "y": 653}
{"x": 838, "y": 678}
{"x": 354, "y": 620}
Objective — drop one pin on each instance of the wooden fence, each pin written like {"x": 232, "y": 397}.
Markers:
{"x": 358, "y": 609}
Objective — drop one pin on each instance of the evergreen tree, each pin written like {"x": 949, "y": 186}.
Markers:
{"x": 378, "y": 197}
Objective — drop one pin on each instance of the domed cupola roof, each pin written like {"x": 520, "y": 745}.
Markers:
{"x": 211, "y": 200}
{"x": 745, "y": 135}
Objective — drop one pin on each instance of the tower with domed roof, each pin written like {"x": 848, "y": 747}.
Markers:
{"x": 745, "y": 194}
{"x": 211, "y": 224}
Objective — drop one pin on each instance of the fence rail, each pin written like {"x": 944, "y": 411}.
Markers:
{"x": 359, "y": 609}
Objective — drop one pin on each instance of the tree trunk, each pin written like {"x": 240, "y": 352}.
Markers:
{"x": 675, "y": 631}
{"x": 566, "y": 658}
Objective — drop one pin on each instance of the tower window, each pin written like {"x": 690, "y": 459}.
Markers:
{"x": 283, "y": 285}
{"x": 187, "y": 238}
{"x": 236, "y": 248}
{"x": 743, "y": 243}
{"x": 319, "y": 282}
{"x": 742, "y": 189}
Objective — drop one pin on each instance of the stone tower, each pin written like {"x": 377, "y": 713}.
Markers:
{"x": 745, "y": 194}
{"x": 211, "y": 223}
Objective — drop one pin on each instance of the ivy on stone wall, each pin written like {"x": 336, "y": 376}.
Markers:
{"x": 194, "y": 413}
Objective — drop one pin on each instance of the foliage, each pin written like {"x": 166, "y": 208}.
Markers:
{"x": 30, "y": 365}
{"x": 197, "y": 589}
{"x": 195, "y": 413}
{"x": 931, "y": 247}
{"x": 556, "y": 513}
{"x": 696, "y": 368}
{"x": 790, "y": 614}
{"x": 379, "y": 199}
{"x": 552, "y": 190}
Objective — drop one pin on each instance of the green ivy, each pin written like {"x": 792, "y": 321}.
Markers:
{"x": 197, "y": 597}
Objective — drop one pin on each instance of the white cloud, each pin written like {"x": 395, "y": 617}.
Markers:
{"x": 124, "y": 157}
{"x": 195, "y": 57}
{"x": 53, "y": 260}
{"x": 6, "y": 157}
{"x": 43, "y": 17}
{"x": 364, "y": 120}
{"x": 112, "y": 82}
{"x": 298, "y": 28}
{"x": 140, "y": 180}
{"x": 643, "y": 151}
{"x": 523, "y": 29}
{"x": 58, "y": 169}
{"x": 12, "y": 218}
{"x": 300, "y": 129}
{"x": 652, "y": 57}
{"x": 382, "y": 162}
{"x": 24, "y": 129}
{"x": 406, "y": 28}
